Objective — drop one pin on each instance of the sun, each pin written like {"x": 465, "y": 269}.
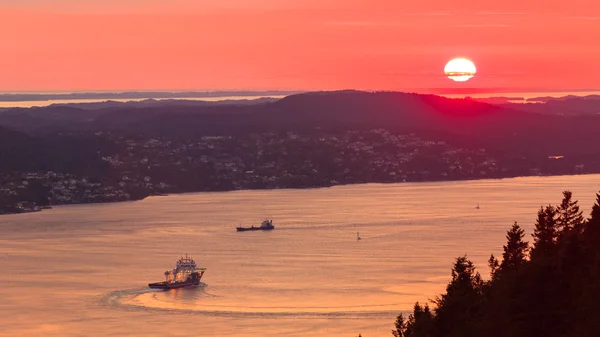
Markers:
{"x": 460, "y": 69}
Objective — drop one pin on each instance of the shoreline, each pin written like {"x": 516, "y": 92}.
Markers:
{"x": 36, "y": 209}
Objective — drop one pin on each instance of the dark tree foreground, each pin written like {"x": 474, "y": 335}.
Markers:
{"x": 549, "y": 289}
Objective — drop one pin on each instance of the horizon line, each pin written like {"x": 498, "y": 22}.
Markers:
{"x": 440, "y": 90}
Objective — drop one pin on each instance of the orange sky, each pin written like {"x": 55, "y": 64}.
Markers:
{"x": 289, "y": 44}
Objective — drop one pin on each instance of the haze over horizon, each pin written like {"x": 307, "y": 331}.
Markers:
{"x": 87, "y": 45}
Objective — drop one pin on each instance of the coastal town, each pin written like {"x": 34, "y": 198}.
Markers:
{"x": 137, "y": 166}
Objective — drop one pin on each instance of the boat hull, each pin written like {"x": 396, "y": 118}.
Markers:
{"x": 192, "y": 280}
{"x": 243, "y": 229}
{"x": 173, "y": 285}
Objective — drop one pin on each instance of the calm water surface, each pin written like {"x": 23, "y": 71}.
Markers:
{"x": 29, "y": 104}
{"x": 526, "y": 94}
{"x": 82, "y": 270}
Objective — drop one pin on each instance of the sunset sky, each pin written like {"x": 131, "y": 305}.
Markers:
{"x": 289, "y": 44}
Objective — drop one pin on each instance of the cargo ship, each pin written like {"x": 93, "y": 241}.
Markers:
{"x": 265, "y": 226}
{"x": 185, "y": 274}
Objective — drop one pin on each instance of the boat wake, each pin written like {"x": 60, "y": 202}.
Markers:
{"x": 189, "y": 301}
{"x": 118, "y": 296}
{"x": 115, "y": 298}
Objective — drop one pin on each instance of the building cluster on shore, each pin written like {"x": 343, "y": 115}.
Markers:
{"x": 138, "y": 166}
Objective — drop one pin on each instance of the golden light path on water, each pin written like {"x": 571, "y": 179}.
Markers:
{"x": 83, "y": 270}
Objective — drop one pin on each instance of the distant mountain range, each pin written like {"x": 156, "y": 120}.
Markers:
{"x": 17, "y": 97}
{"x": 566, "y": 105}
{"x": 559, "y": 126}
{"x": 111, "y": 151}
{"x": 163, "y": 102}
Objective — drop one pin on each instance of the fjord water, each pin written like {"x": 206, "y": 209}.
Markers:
{"x": 82, "y": 270}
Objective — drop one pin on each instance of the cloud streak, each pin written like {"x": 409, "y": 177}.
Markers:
{"x": 484, "y": 25}
{"x": 501, "y": 13}
{"x": 586, "y": 18}
{"x": 362, "y": 23}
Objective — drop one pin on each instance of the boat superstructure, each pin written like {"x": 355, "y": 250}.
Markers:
{"x": 186, "y": 273}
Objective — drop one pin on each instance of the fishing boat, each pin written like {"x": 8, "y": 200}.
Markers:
{"x": 185, "y": 274}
